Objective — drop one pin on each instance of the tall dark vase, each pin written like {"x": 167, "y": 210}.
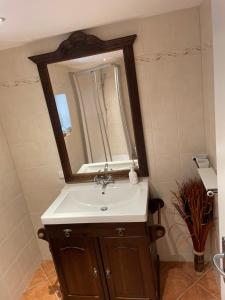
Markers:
{"x": 199, "y": 263}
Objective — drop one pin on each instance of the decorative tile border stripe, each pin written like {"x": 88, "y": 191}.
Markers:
{"x": 16, "y": 83}
{"x": 195, "y": 50}
{"x": 159, "y": 56}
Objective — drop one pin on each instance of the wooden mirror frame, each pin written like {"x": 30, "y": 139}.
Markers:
{"x": 80, "y": 44}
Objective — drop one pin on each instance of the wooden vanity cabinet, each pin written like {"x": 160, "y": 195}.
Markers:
{"x": 103, "y": 261}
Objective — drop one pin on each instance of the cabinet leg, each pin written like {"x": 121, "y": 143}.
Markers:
{"x": 158, "y": 279}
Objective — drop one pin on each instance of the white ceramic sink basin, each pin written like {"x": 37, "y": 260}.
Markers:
{"x": 89, "y": 203}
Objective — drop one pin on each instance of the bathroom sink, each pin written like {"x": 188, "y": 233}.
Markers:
{"x": 89, "y": 203}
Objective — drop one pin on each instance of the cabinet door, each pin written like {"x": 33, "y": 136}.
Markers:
{"x": 77, "y": 268}
{"x": 128, "y": 268}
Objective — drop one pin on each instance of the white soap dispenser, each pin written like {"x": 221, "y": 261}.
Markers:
{"x": 133, "y": 175}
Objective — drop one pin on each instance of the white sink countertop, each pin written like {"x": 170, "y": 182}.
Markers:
{"x": 89, "y": 203}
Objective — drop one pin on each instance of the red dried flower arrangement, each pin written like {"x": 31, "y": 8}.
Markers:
{"x": 196, "y": 209}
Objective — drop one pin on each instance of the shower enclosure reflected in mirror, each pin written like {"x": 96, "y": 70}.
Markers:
{"x": 92, "y": 100}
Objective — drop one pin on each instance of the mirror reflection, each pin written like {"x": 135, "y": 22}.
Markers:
{"x": 92, "y": 100}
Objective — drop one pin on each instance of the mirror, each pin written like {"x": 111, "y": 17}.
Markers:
{"x": 91, "y": 92}
{"x": 92, "y": 100}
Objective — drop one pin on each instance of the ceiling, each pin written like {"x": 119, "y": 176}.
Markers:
{"x": 93, "y": 61}
{"x": 28, "y": 20}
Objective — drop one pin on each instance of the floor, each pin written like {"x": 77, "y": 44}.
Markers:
{"x": 178, "y": 282}
{"x": 44, "y": 284}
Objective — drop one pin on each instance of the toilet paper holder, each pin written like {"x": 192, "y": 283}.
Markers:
{"x": 206, "y": 173}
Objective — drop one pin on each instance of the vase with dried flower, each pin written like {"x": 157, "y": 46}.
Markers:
{"x": 196, "y": 209}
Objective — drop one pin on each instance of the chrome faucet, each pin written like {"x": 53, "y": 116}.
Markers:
{"x": 106, "y": 167}
{"x": 103, "y": 180}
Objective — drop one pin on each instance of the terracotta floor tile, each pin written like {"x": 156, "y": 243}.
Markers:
{"x": 176, "y": 278}
{"x": 208, "y": 282}
{"x": 197, "y": 293}
{"x": 54, "y": 284}
{"x": 40, "y": 292}
{"x": 173, "y": 282}
{"x": 53, "y": 278}
{"x": 39, "y": 276}
{"x": 186, "y": 267}
{"x": 48, "y": 267}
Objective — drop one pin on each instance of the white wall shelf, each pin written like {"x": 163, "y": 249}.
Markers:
{"x": 209, "y": 179}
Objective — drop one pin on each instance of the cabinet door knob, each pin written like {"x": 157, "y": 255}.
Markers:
{"x": 95, "y": 272}
{"x": 120, "y": 231}
{"x": 67, "y": 232}
{"x": 42, "y": 234}
{"x": 108, "y": 273}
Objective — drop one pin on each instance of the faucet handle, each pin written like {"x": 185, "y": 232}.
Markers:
{"x": 96, "y": 179}
{"x": 110, "y": 179}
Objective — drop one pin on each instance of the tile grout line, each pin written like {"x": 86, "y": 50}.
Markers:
{"x": 55, "y": 294}
{"x": 194, "y": 281}
{"x": 30, "y": 287}
{"x": 193, "y": 284}
{"x": 21, "y": 249}
{"x": 46, "y": 280}
{"x": 205, "y": 289}
{"x": 199, "y": 277}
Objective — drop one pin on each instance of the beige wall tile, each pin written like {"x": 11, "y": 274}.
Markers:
{"x": 4, "y": 292}
{"x": 172, "y": 31}
{"x": 119, "y": 29}
{"x": 14, "y": 211}
{"x": 29, "y": 258}
{"x": 43, "y": 177}
{"x": 177, "y": 239}
{"x": 166, "y": 140}
{"x": 32, "y": 155}
{"x": 207, "y": 79}
{"x": 167, "y": 167}
{"x": 159, "y": 104}
{"x": 148, "y": 135}
{"x": 9, "y": 186}
{"x": 192, "y": 139}
{"x": 188, "y": 167}
{"x": 7, "y": 254}
{"x": 15, "y": 227}
{"x": 39, "y": 202}
{"x": 13, "y": 278}
{"x": 44, "y": 247}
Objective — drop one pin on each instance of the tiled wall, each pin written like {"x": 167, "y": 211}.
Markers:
{"x": 218, "y": 28}
{"x": 207, "y": 79}
{"x": 29, "y": 133}
{"x": 209, "y": 102}
{"x": 19, "y": 252}
{"x": 169, "y": 71}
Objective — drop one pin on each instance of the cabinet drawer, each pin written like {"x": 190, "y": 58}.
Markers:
{"x": 96, "y": 230}
{"x": 120, "y": 229}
